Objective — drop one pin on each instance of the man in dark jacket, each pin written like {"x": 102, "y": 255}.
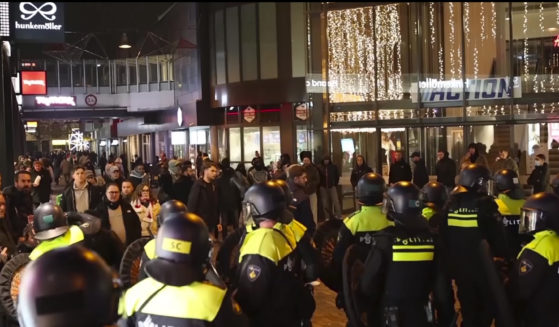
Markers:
{"x": 80, "y": 195}
{"x": 41, "y": 180}
{"x": 19, "y": 203}
{"x": 203, "y": 198}
{"x": 539, "y": 178}
{"x": 229, "y": 197}
{"x": 183, "y": 185}
{"x": 361, "y": 168}
{"x": 445, "y": 169}
{"x": 313, "y": 182}
{"x": 296, "y": 181}
{"x": 138, "y": 175}
{"x": 399, "y": 170}
{"x": 329, "y": 179}
{"x": 420, "y": 175}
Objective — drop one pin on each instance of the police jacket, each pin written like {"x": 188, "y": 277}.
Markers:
{"x": 400, "y": 269}
{"x": 509, "y": 209}
{"x": 268, "y": 290}
{"x": 72, "y": 236}
{"x": 152, "y": 303}
{"x": 471, "y": 218}
{"x": 68, "y": 201}
{"x": 358, "y": 228}
{"x": 535, "y": 281}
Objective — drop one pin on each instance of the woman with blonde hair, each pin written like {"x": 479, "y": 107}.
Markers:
{"x": 147, "y": 208}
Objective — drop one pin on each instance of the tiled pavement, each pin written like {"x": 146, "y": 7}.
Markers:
{"x": 326, "y": 313}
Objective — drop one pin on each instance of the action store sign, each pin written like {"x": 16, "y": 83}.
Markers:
{"x": 33, "y": 82}
{"x": 40, "y": 22}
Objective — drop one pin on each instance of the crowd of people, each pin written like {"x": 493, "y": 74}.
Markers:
{"x": 413, "y": 237}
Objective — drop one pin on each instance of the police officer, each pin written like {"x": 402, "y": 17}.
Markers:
{"x": 52, "y": 230}
{"x": 361, "y": 226}
{"x": 174, "y": 294}
{"x": 268, "y": 289}
{"x": 70, "y": 286}
{"x": 535, "y": 281}
{"x": 472, "y": 217}
{"x": 400, "y": 266}
{"x": 510, "y": 199}
{"x": 435, "y": 196}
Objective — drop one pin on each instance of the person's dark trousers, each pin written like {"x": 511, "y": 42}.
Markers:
{"x": 474, "y": 297}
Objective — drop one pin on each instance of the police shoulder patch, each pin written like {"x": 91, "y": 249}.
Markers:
{"x": 253, "y": 272}
{"x": 525, "y": 266}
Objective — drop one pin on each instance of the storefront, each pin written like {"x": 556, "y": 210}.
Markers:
{"x": 430, "y": 76}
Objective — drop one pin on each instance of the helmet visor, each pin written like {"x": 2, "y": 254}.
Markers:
{"x": 528, "y": 220}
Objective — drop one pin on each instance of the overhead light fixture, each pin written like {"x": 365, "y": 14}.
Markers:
{"x": 124, "y": 44}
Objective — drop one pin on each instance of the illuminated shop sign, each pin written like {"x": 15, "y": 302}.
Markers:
{"x": 433, "y": 90}
{"x": 41, "y": 22}
{"x": 55, "y": 101}
{"x": 33, "y": 82}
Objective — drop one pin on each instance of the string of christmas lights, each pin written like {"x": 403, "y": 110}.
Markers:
{"x": 451, "y": 38}
{"x": 482, "y": 21}
{"x": 525, "y": 51}
{"x": 493, "y": 21}
{"x": 541, "y": 17}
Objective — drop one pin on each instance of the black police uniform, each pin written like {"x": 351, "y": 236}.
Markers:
{"x": 268, "y": 290}
{"x": 509, "y": 209}
{"x": 359, "y": 228}
{"x": 471, "y": 218}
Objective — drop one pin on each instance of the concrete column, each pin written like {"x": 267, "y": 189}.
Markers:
{"x": 214, "y": 148}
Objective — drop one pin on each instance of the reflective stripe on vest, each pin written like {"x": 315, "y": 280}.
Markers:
{"x": 368, "y": 219}
{"x": 149, "y": 249}
{"x": 73, "y": 235}
{"x": 413, "y": 252}
{"x": 546, "y": 244}
{"x": 462, "y": 220}
{"x": 271, "y": 243}
{"x": 194, "y": 301}
{"x": 508, "y": 206}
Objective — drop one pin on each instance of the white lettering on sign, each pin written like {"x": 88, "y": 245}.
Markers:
{"x": 59, "y": 101}
{"x": 433, "y": 90}
{"x": 34, "y": 82}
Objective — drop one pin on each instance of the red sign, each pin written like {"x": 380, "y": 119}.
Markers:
{"x": 33, "y": 83}
{"x": 91, "y": 100}
{"x": 301, "y": 111}
{"x": 249, "y": 114}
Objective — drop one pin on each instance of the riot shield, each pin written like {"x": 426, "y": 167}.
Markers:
{"x": 10, "y": 278}
{"x": 352, "y": 269}
{"x": 503, "y": 314}
{"x": 325, "y": 238}
{"x": 130, "y": 265}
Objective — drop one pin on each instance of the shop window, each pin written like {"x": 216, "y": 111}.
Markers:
{"x": 77, "y": 73}
{"x": 133, "y": 78}
{"x": 120, "y": 66}
{"x": 235, "y": 144}
{"x": 248, "y": 38}
{"x": 153, "y": 74}
{"x": 64, "y": 70}
{"x": 232, "y": 32}
{"x": 251, "y": 142}
{"x": 103, "y": 70}
{"x": 52, "y": 74}
{"x": 142, "y": 70}
{"x": 90, "y": 73}
{"x": 271, "y": 143}
{"x": 304, "y": 137}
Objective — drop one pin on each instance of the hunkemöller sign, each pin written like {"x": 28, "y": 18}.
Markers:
{"x": 433, "y": 90}
{"x": 41, "y": 22}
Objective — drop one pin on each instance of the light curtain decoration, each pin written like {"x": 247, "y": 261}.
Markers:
{"x": 356, "y": 54}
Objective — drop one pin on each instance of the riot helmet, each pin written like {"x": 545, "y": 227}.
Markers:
{"x": 505, "y": 180}
{"x": 182, "y": 248}
{"x": 474, "y": 178}
{"x": 69, "y": 286}
{"x": 539, "y": 213}
{"x": 169, "y": 208}
{"x": 370, "y": 189}
{"x": 402, "y": 204}
{"x": 49, "y": 222}
{"x": 266, "y": 200}
{"x": 434, "y": 194}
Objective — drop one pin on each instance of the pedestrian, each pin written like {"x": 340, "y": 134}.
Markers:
{"x": 80, "y": 195}
{"x": 7, "y": 241}
{"x": 359, "y": 169}
{"x": 445, "y": 170}
{"x": 138, "y": 175}
{"x": 313, "y": 182}
{"x": 473, "y": 156}
{"x": 229, "y": 197}
{"x": 204, "y": 197}
{"x": 329, "y": 180}
{"x": 297, "y": 181}
{"x": 183, "y": 185}
{"x": 503, "y": 161}
{"x": 420, "y": 174}
{"x": 41, "y": 183}
{"x": 19, "y": 203}
{"x": 399, "y": 170}
{"x": 66, "y": 168}
{"x": 539, "y": 178}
